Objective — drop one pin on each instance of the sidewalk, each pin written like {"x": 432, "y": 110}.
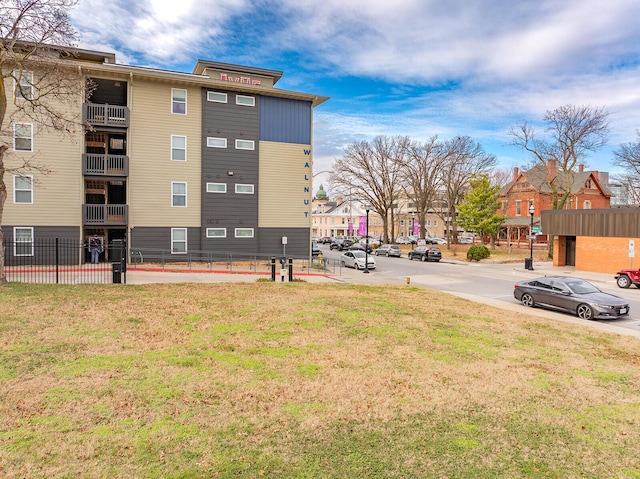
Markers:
{"x": 156, "y": 275}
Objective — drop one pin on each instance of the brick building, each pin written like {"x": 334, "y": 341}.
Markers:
{"x": 532, "y": 187}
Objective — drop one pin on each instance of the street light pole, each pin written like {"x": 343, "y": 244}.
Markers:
{"x": 532, "y": 210}
{"x": 366, "y": 247}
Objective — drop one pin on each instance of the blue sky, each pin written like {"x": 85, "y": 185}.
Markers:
{"x": 401, "y": 67}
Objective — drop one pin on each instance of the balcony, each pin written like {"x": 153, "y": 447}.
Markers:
{"x": 105, "y": 115}
{"x": 105, "y": 215}
{"x": 105, "y": 165}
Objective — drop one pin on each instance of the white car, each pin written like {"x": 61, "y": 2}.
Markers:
{"x": 356, "y": 259}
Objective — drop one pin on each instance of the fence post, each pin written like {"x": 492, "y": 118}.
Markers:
{"x": 57, "y": 262}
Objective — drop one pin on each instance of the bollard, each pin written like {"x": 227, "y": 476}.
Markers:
{"x": 290, "y": 268}
{"x": 283, "y": 273}
{"x": 273, "y": 268}
{"x": 408, "y": 280}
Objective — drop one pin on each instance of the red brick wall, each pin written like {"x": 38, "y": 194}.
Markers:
{"x": 603, "y": 255}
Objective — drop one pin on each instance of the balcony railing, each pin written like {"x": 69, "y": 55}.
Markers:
{"x": 105, "y": 215}
{"x": 105, "y": 115}
{"x": 105, "y": 165}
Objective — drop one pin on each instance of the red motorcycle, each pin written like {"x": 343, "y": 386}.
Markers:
{"x": 627, "y": 277}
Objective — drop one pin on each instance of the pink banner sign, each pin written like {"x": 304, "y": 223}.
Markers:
{"x": 362, "y": 226}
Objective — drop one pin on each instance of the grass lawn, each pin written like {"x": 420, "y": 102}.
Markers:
{"x": 301, "y": 380}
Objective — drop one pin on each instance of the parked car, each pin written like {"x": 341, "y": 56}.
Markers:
{"x": 413, "y": 239}
{"x": 402, "y": 240}
{"x": 425, "y": 253}
{"x": 572, "y": 295}
{"x": 340, "y": 244}
{"x": 360, "y": 247}
{"x": 315, "y": 249}
{"x": 372, "y": 241}
{"x": 465, "y": 240}
{"x": 439, "y": 241}
{"x": 356, "y": 259}
{"x": 627, "y": 277}
{"x": 325, "y": 240}
{"x": 388, "y": 250}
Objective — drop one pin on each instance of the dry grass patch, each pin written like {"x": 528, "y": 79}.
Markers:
{"x": 303, "y": 380}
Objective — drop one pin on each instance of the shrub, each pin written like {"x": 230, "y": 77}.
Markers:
{"x": 478, "y": 252}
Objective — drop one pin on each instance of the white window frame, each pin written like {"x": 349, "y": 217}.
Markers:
{"x": 17, "y": 190}
{"x": 16, "y": 126}
{"x": 175, "y": 148}
{"x": 248, "y": 230}
{"x": 177, "y": 195}
{"x": 245, "y": 100}
{"x": 211, "y": 235}
{"x": 26, "y": 80}
{"x": 175, "y": 102}
{"x": 240, "y": 192}
{"x": 212, "y": 140}
{"x": 211, "y": 96}
{"x": 238, "y": 147}
{"x": 222, "y": 190}
{"x": 174, "y": 240}
{"x": 17, "y": 241}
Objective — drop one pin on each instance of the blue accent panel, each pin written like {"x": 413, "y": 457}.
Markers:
{"x": 285, "y": 121}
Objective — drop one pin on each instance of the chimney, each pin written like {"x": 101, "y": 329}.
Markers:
{"x": 580, "y": 168}
{"x": 553, "y": 169}
{"x": 516, "y": 172}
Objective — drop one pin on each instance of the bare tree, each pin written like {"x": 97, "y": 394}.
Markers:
{"x": 501, "y": 176}
{"x": 572, "y": 133}
{"x": 464, "y": 160}
{"x": 630, "y": 187}
{"x": 36, "y": 85}
{"x": 422, "y": 176}
{"x": 370, "y": 171}
{"x": 627, "y": 156}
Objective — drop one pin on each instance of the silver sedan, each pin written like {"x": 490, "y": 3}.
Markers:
{"x": 572, "y": 295}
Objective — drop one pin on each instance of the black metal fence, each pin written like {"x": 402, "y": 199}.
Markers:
{"x": 64, "y": 261}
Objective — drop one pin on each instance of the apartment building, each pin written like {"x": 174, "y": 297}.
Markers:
{"x": 216, "y": 160}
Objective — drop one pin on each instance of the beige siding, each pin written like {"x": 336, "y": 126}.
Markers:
{"x": 58, "y": 195}
{"x": 151, "y": 170}
{"x": 285, "y": 172}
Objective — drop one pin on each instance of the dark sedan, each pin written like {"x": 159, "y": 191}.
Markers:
{"x": 425, "y": 253}
{"x": 572, "y": 295}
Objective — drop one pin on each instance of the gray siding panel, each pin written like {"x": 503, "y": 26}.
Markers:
{"x": 298, "y": 241}
{"x": 151, "y": 241}
{"x": 285, "y": 121}
{"x": 229, "y": 210}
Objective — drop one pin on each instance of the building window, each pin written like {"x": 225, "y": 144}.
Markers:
{"x": 518, "y": 207}
{"x": 24, "y": 85}
{"x": 216, "y": 232}
{"x": 178, "y": 148}
{"x": 22, "y": 241}
{"x": 245, "y": 100}
{"x": 217, "y": 96}
{"x": 244, "y": 232}
{"x": 504, "y": 207}
{"x": 178, "y": 194}
{"x": 178, "y": 101}
{"x": 586, "y": 205}
{"x": 178, "y": 240}
{"x": 23, "y": 189}
{"x": 435, "y": 223}
{"x": 216, "y": 187}
{"x": 245, "y": 145}
{"x": 22, "y": 137}
{"x": 216, "y": 142}
{"x": 244, "y": 189}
